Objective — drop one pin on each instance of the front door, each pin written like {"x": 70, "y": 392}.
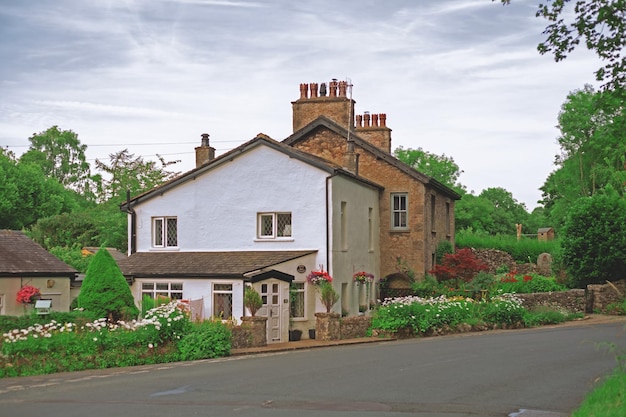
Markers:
{"x": 270, "y": 291}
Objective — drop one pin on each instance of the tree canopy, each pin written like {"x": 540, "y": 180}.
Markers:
{"x": 440, "y": 167}
{"x": 599, "y": 24}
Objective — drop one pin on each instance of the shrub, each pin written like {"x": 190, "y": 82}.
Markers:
{"x": 461, "y": 265}
{"x": 531, "y": 283}
{"x": 209, "y": 339}
{"x": 594, "y": 239}
{"x": 505, "y": 309}
{"x": 252, "y": 300}
{"x": 443, "y": 248}
{"x": 105, "y": 292}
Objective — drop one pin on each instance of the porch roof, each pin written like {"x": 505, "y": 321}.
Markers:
{"x": 204, "y": 264}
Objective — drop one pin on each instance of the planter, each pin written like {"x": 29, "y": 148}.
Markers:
{"x": 327, "y": 326}
{"x": 311, "y": 333}
{"x": 295, "y": 335}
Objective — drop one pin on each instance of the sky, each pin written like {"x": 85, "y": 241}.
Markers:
{"x": 460, "y": 78}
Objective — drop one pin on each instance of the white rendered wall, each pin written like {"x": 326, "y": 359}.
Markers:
{"x": 218, "y": 210}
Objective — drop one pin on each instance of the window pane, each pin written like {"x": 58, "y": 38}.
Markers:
{"x": 172, "y": 232}
{"x": 297, "y": 299}
{"x": 162, "y": 286}
{"x": 267, "y": 225}
{"x": 222, "y": 305}
{"x": 283, "y": 224}
{"x": 147, "y": 286}
{"x": 223, "y": 287}
{"x": 158, "y": 232}
{"x": 177, "y": 286}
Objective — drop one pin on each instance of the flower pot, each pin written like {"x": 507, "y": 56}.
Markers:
{"x": 311, "y": 333}
{"x": 295, "y": 335}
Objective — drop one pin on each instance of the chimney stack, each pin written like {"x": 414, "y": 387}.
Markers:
{"x": 323, "y": 99}
{"x": 204, "y": 152}
{"x": 373, "y": 128}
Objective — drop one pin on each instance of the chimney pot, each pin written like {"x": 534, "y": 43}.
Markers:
{"x": 313, "y": 89}
{"x": 366, "y": 119}
{"x": 359, "y": 120}
{"x": 375, "y": 120}
{"x": 304, "y": 90}
{"x": 205, "y": 139}
{"x": 383, "y": 119}
{"x": 323, "y": 90}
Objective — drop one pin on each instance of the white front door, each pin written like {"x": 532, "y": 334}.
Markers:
{"x": 270, "y": 291}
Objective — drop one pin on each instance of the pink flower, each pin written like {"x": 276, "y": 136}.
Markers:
{"x": 28, "y": 294}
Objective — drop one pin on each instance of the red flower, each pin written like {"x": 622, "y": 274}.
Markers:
{"x": 527, "y": 278}
{"x": 28, "y": 294}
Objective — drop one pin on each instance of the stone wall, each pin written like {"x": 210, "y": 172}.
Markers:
{"x": 355, "y": 327}
{"x": 599, "y": 296}
{"x": 495, "y": 258}
{"x": 573, "y": 301}
{"x": 251, "y": 333}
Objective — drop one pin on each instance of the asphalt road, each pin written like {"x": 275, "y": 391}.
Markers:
{"x": 543, "y": 372}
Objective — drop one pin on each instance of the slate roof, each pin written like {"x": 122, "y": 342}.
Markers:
{"x": 325, "y": 122}
{"x": 21, "y": 256}
{"x": 260, "y": 139}
{"x": 204, "y": 264}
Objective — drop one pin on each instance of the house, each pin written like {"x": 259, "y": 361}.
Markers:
{"x": 267, "y": 213}
{"x": 264, "y": 214}
{"x": 24, "y": 262}
{"x": 545, "y": 233}
{"x": 416, "y": 211}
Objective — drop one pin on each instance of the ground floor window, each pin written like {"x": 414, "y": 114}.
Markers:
{"x": 296, "y": 293}
{"x": 155, "y": 290}
{"x": 223, "y": 301}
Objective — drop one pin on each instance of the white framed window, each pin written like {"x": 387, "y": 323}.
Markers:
{"x": 164, "y": 232}
{"x": 171, "y": 290}
{"x": 223, "y": 301}
{"x": 273, "y": 225}
{"x": 296, "y": 293}
{"x": 399, "y": 210}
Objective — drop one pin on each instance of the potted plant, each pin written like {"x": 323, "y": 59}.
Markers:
{"x": 252, "y": 300}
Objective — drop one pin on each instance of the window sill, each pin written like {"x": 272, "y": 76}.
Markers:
{"x": 168, "y": 249}
{"x": 301, "y": 319}
{"x": 400, "y": 231}
{"x": 275, "y": 240}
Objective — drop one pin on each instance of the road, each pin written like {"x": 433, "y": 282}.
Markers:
{"x": 542, "y": 372}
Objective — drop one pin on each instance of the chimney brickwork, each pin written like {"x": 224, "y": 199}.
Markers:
{"x": 373, "y": 128}
{"x": 204, "y": 152}
{"x": 317, "y": 100}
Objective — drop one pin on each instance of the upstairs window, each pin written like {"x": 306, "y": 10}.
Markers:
{"x": 399, "y": 210}
{"x": 274, "y": 225}
{"x": 164, "y": 232}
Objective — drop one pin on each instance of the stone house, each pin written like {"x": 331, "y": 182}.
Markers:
{"x": 416, "y": 211}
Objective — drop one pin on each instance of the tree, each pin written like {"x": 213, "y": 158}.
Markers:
{"x": 601, "y": 24}
{"x": 105, "y": 292}
{"x": 26, "y": 194}
{"x": 128, "y": 173}
{"x": 593, "y": 150}
{"x": 60, "y": 155}
{"x": 440, "y": 167}
{"x": 593, "y": 247}
{"x": 507, "y": 211}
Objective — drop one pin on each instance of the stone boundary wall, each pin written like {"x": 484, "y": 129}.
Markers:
{"x": 251, "y": 333}
{"x": 573, "y": 301}
{"x": 599, "y": 296}
{"x": 354, "y": 327}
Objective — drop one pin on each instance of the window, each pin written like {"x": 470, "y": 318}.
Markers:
{"x": 171, "y": 290}
{"x": 344, "y": 226}
{"x": 399, "y": 210}
{"x": 296, "y": 292}
{"x": 164, "y": 232}
{"x": 370, "y": 227}
{"x": 433, "y": 206}
{"x": 448, "y": 225}
{"x": 223, "y": 301}
{"x": 274, "y": 225}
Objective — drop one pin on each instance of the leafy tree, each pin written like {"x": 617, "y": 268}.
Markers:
{"x": 462, "y": 265}
{"x": 105, "y": 292}
{"x": 474, "y": 213}
{"x": 440, "y": 167}
{"x": 593, "y": 150}
{"x": 72, "y": 256}
{"x": 601, "y": 24}
{"x": 26, "y": 194}
{"x": 507, "y": 211}
{"x": 593, "y": 247}
{"x": 60, "y": 155}
{"x": 130, "y": 173}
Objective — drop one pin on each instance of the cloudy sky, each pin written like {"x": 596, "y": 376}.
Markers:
{"x": 456, "y": 77}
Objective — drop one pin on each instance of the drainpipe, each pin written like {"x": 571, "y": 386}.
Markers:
{"x": 327, "y": 227}
{"x": 133, "y": 224}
